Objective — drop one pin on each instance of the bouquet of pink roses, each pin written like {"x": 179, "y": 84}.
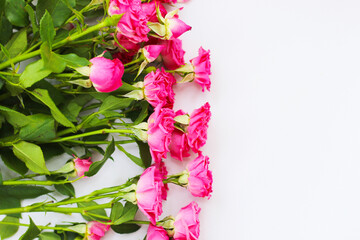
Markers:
{"x": 86, "y": 86}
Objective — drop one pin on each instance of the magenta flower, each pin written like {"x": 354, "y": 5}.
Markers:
{"x": 179, "y": 147}
{"x": 95, "y": 230}
{"x": 106, "y": 74}
{"x": 197, "y": 129}
{"x": 158, "y": 88}
{"x": 202, "y": 67}
{"x": 160, "y": 174}
{"x": 150, "y": 10}
{"x": 200, "y": 177}
{"x": 151, "y": 52}
{"x": 81, "y": 166}
{"x": 176, "y": 26}
{"x": 121, "y": 6}
{"x": 149, "y": 194}
{"x": 187, "y": 224}
{"x": 160, "y": 127}
{"x": 173, "y": 54}
{"x": 156, "y": 233}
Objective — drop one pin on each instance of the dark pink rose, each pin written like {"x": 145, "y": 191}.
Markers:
{"x": 81, "y": 166}
{"x": 200, "y": 177}
{"x": 150, "y": 10}
{"x": 96, "y": 230}
{"x": 179, "y": 146}
{"x": 187, "y": 224}
{"x": 106, "y": 74}
{"x": 156, "y": 233}
{"x": 176, "y": 26}
{"x": 121, "y": 6}
{"x": 151, "y": 52}
{"x": 160, "y": 127}
{"x": 202, "y": 67}
{"x": 160, "y": 174}
{"x": 173, "y": 54}
{"x": 149, "y": 194}
{"x": 173, "y": 1}
{"x": 197, "y": 129}
{"x": 133, "y": 24}
{"x": 158, "y": 88}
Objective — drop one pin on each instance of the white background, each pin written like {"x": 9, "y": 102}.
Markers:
{"x": 284, "y": 137}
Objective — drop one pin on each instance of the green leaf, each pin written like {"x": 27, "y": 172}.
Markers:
{"x": 127, "y": 214}
{"x": 16, "y": 45}
{"x": 136, "y": 160}
{"x": 143, "y": 113}
{"x": 44, "y": 97}
{"x": 57, "y": 9}
{"x": 7, "y": 231}
{"x": 15, "y": 12}
{"x": 49, "y": 236}
{"x": 72, "y": 107}
{"x": 31, "y": 155}
{"x": 144, "y": 153}
{"x": 51, "y": 150}
{"x": 52, "y": 61}
{"x": 47, "y": 30}
{"x": 10, "y": 202}
{"x": 13, "y": 117}
{"x": 31, "y": 13}
{"x": 125, "y": 228}
{"x": 74, "y": 61}
{"x": 96, "y": 166}
{"x": 116, "y": 211}
{"x": 22, "y": 191}
{"x": 100, "y": 212}
{"x": 115, "y": 103}
{"x": 57, "y": 96}
{"x": 66, "y": 189}
{"x": 5, "y": 29}
{"x": 32, "y": 232}
{"x": 13, "y": 163}
{"x": 41, "y": 128}
{"x": 33, "y": 73}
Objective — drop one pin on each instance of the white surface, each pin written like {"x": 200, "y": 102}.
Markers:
{"x": 284, "y": 138}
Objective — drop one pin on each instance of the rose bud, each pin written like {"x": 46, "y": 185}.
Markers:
{"x": 156, "y": 233}
{"x": 187, "y": 224}
{"x": 174, "y": 26}
{"x": 173, "y": 54}
{"x": 151, "y": 52}
{"x": 106, "y": 74}
{"x": 198, "y": 125}
{"x": 158, "y": 88}
{"x": 81, "y": 166}
{"x": 160, "y": 128}
{"x": 149, "y": 194}
{"x": 95, "y": 230}
{"x": 202, "y": 68}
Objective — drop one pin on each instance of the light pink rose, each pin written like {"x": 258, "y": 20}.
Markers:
{"x": 187, "y": 224}
{"x": 202, "y": 68}
{"x": 160, "y": 174}
{"x": 173, "y": 54}
{"x": 150, "y": 10}
{"x": 158, "y": 88}
{"x": 106, "y": 74}
{"x": 149, "y": 194}
{"x": 133, "y": 24}
{"x": 197, "y": 129}
{"x": 156, "y": 233}
{"x": 151, "y": 52}
{"x": 173, "y": 1}
{"x": 177, "y": 26}
{"x": 160, "y": 127}
{"x": 81, "y": 166}
{"x": 96, "y": 230}
{"x": 121, "y": 6}
{"x": 200, "y": 177}
{"x": 179, "y": 146}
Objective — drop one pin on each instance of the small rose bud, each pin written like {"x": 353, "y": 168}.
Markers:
{"x": 81, "y": 166}
{"x": 95, "y": 230}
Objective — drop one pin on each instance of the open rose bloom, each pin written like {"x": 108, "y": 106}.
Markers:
{"x": 200, "y": 177}
{"x": 187, "y": 224}
{"x": 156, "y": 233}
{"x": 96, "y": 230}
{"x": 202, "y": 68}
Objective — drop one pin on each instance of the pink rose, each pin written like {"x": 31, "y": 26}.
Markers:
{"x": 179, "y": 146}
{"x": 106, "y": 74}
{"x": 197, "y": 129}
{"x": 81, "y": 166}
{"x": 151, "y": 52}
{"x": 173, "y": 54}
{"x": 200, "y": 177}
{"x": 121, "y": 6}
{"x": 174, "y": 1}
{"x": 133, "y": 24}
{"x": 202, "y": 68}
{"x": 187, "y": 224}
{"x": 160, "y": 174}
{"x": 156, "y": 233}
{"x": 176, "y": 26}
{"x": 158, "y": 88}
{"x": 96, "y": 230}
{"x": 150, "y": 10}
{"x": 149, "y": 194}
{"x": 161, "y": 125}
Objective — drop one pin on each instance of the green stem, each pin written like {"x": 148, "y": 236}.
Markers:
{"x": 100, "y": 142}
{"x": 39, "y": 226}
{"x": 9, "y": 74}
{"x": 34, "y": 182}
{"x": 138, "y": 222}
{"x": 25, "y": 176}
{"x": 140, "y": 59}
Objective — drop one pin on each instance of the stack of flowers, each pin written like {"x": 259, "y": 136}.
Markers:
{"x": 108, "y": 84}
